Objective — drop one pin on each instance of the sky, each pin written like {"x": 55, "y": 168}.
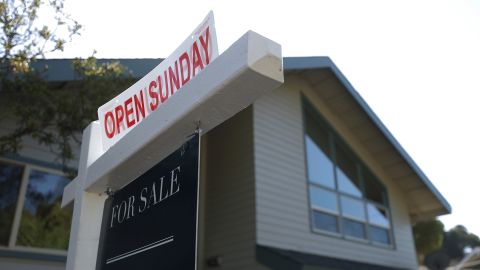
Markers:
{"x": 416, "y": 63}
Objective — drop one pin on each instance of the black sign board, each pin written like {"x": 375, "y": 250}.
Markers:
{"x": 152, "y": 222}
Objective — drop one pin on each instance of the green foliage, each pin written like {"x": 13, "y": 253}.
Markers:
{"x": 428, "y": 236}
{"x": 56, "y": 113}
{"x": 24, "y": 37}
{"x": 457, "y": 239}
{"x": 48, "y": 228}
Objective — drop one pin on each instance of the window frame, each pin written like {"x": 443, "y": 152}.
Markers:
{"x": 335, "y": 140}
{"x": 12, "y": 246}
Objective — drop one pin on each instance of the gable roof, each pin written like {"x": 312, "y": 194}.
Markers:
{"x": 424, "y": 199}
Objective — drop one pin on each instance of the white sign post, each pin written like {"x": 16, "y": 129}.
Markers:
{"x": 245, "y": 71}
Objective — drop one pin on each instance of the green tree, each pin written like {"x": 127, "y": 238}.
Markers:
{"x": 457, "y": 240}
{"x": 428, "y": 236}
{"x": 455, "y": 243}
{"x": 24, "y": 36}
{"x": 57, "y": 113}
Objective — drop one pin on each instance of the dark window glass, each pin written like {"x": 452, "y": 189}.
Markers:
{"x": 319, "y": 164}
{"x": 379, "y": 235}
{"x": 352, "y": 208}
{"x": 345, "y": 196}
{"x": 325, "y": 221}
{"x": 324, "y": 199}
{"x": 374, "y": 190}
{"x": 44, "y": 223}
{"x": 10, "y": 180}
{"x": 347, "y": 175}
{"x": 377, "y": 216}
{"x": 353, "y": 228}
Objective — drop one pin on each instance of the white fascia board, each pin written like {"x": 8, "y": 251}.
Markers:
{"x": 252, "y": 66}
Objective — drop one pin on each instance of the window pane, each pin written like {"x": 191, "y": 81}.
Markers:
{"x": 325, "y": 221}
{"x": 44, "y": 223}
{"x": 379, "y": 235}
{"x": 353, "y": 228}
{"x": 10, "y": 179}
{"x": 377, "y": 216}
{"x": 324, "y": 199}
{"x": 347, "y": 176}
{"x": 319, "y": 162}
{"x": 352, "y": 208}
{"x": 320, "y": 166}
{"x": 374, "y": 190}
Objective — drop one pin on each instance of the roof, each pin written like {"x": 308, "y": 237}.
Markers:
{"x": 415, "y": 182}
{"x": 314, "y": 64}
{"x": 61, "y": 70}
{"x": 276, "y": 258}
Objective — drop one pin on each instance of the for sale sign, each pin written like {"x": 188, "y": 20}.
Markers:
{"x": 152, "y": 222}
{"x": 121, "y": 114}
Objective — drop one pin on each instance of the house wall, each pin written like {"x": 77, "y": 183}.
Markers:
{"x": 17, "y": 264}
{"x": 282, "y": 207}
{"x": 41, "y": 157}
{"x": 229, "y": 196}
{"x": 32, "y": 152}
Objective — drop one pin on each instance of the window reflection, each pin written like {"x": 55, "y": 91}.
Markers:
{"x": 325, "y": 221}
{"x": 379, "y": 235}
{"x": 345, "y": 197}
{"x": 43, "y": 222}
{"x": 377, "y": 215}
{"x": 323, "y": 199}
{"x": 10, "y": 179}
{"x": 352, "y": 208}
{"x": 320, "y": 167}
{"x": 354, "y": 228}
{"x": 347, "y": 175}
{"x": 374, "y": 190}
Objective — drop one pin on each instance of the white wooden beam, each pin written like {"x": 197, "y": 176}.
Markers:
{"x": 88, "y": 207}
{"x": 233, "y": 81}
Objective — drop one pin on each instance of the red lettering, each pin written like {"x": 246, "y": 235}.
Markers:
{"x": 160, "y": 89}
{"x": 153, "y": 94}
{"x": 128, "y": 112}
{"x": 196, "y": 58}
{"x": 184, "y": 58}
{"x": 109, "y": 122}
{"x": 139, "y": 106}
{"x": 119, "y": 113}
{"x": 165, "y": 77}
{"x": 205, "y": 43}
{"x": 173, "y": 78}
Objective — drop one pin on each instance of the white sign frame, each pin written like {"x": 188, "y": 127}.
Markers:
{"x": 252, "y": 66}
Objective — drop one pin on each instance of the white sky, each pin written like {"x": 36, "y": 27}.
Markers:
{"x": 416, "y": 63}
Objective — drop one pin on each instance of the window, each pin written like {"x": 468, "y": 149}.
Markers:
{"x": 346, "y": 199}
{"x": 30, "y": 213}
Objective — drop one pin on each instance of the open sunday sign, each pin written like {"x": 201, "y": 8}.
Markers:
{"x": 121, "y": 114}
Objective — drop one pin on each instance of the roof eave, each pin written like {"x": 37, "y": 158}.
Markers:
{"x": 311, "y": 63}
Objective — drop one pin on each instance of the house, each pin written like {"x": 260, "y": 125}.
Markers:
{"x": 305, "y": 178}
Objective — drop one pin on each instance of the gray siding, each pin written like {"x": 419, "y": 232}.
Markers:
{"x": 17, "y": 264}
{"x": 282, "y": 208}
{"x": 229, "y": 194}
{"x": 30, "y": 148}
